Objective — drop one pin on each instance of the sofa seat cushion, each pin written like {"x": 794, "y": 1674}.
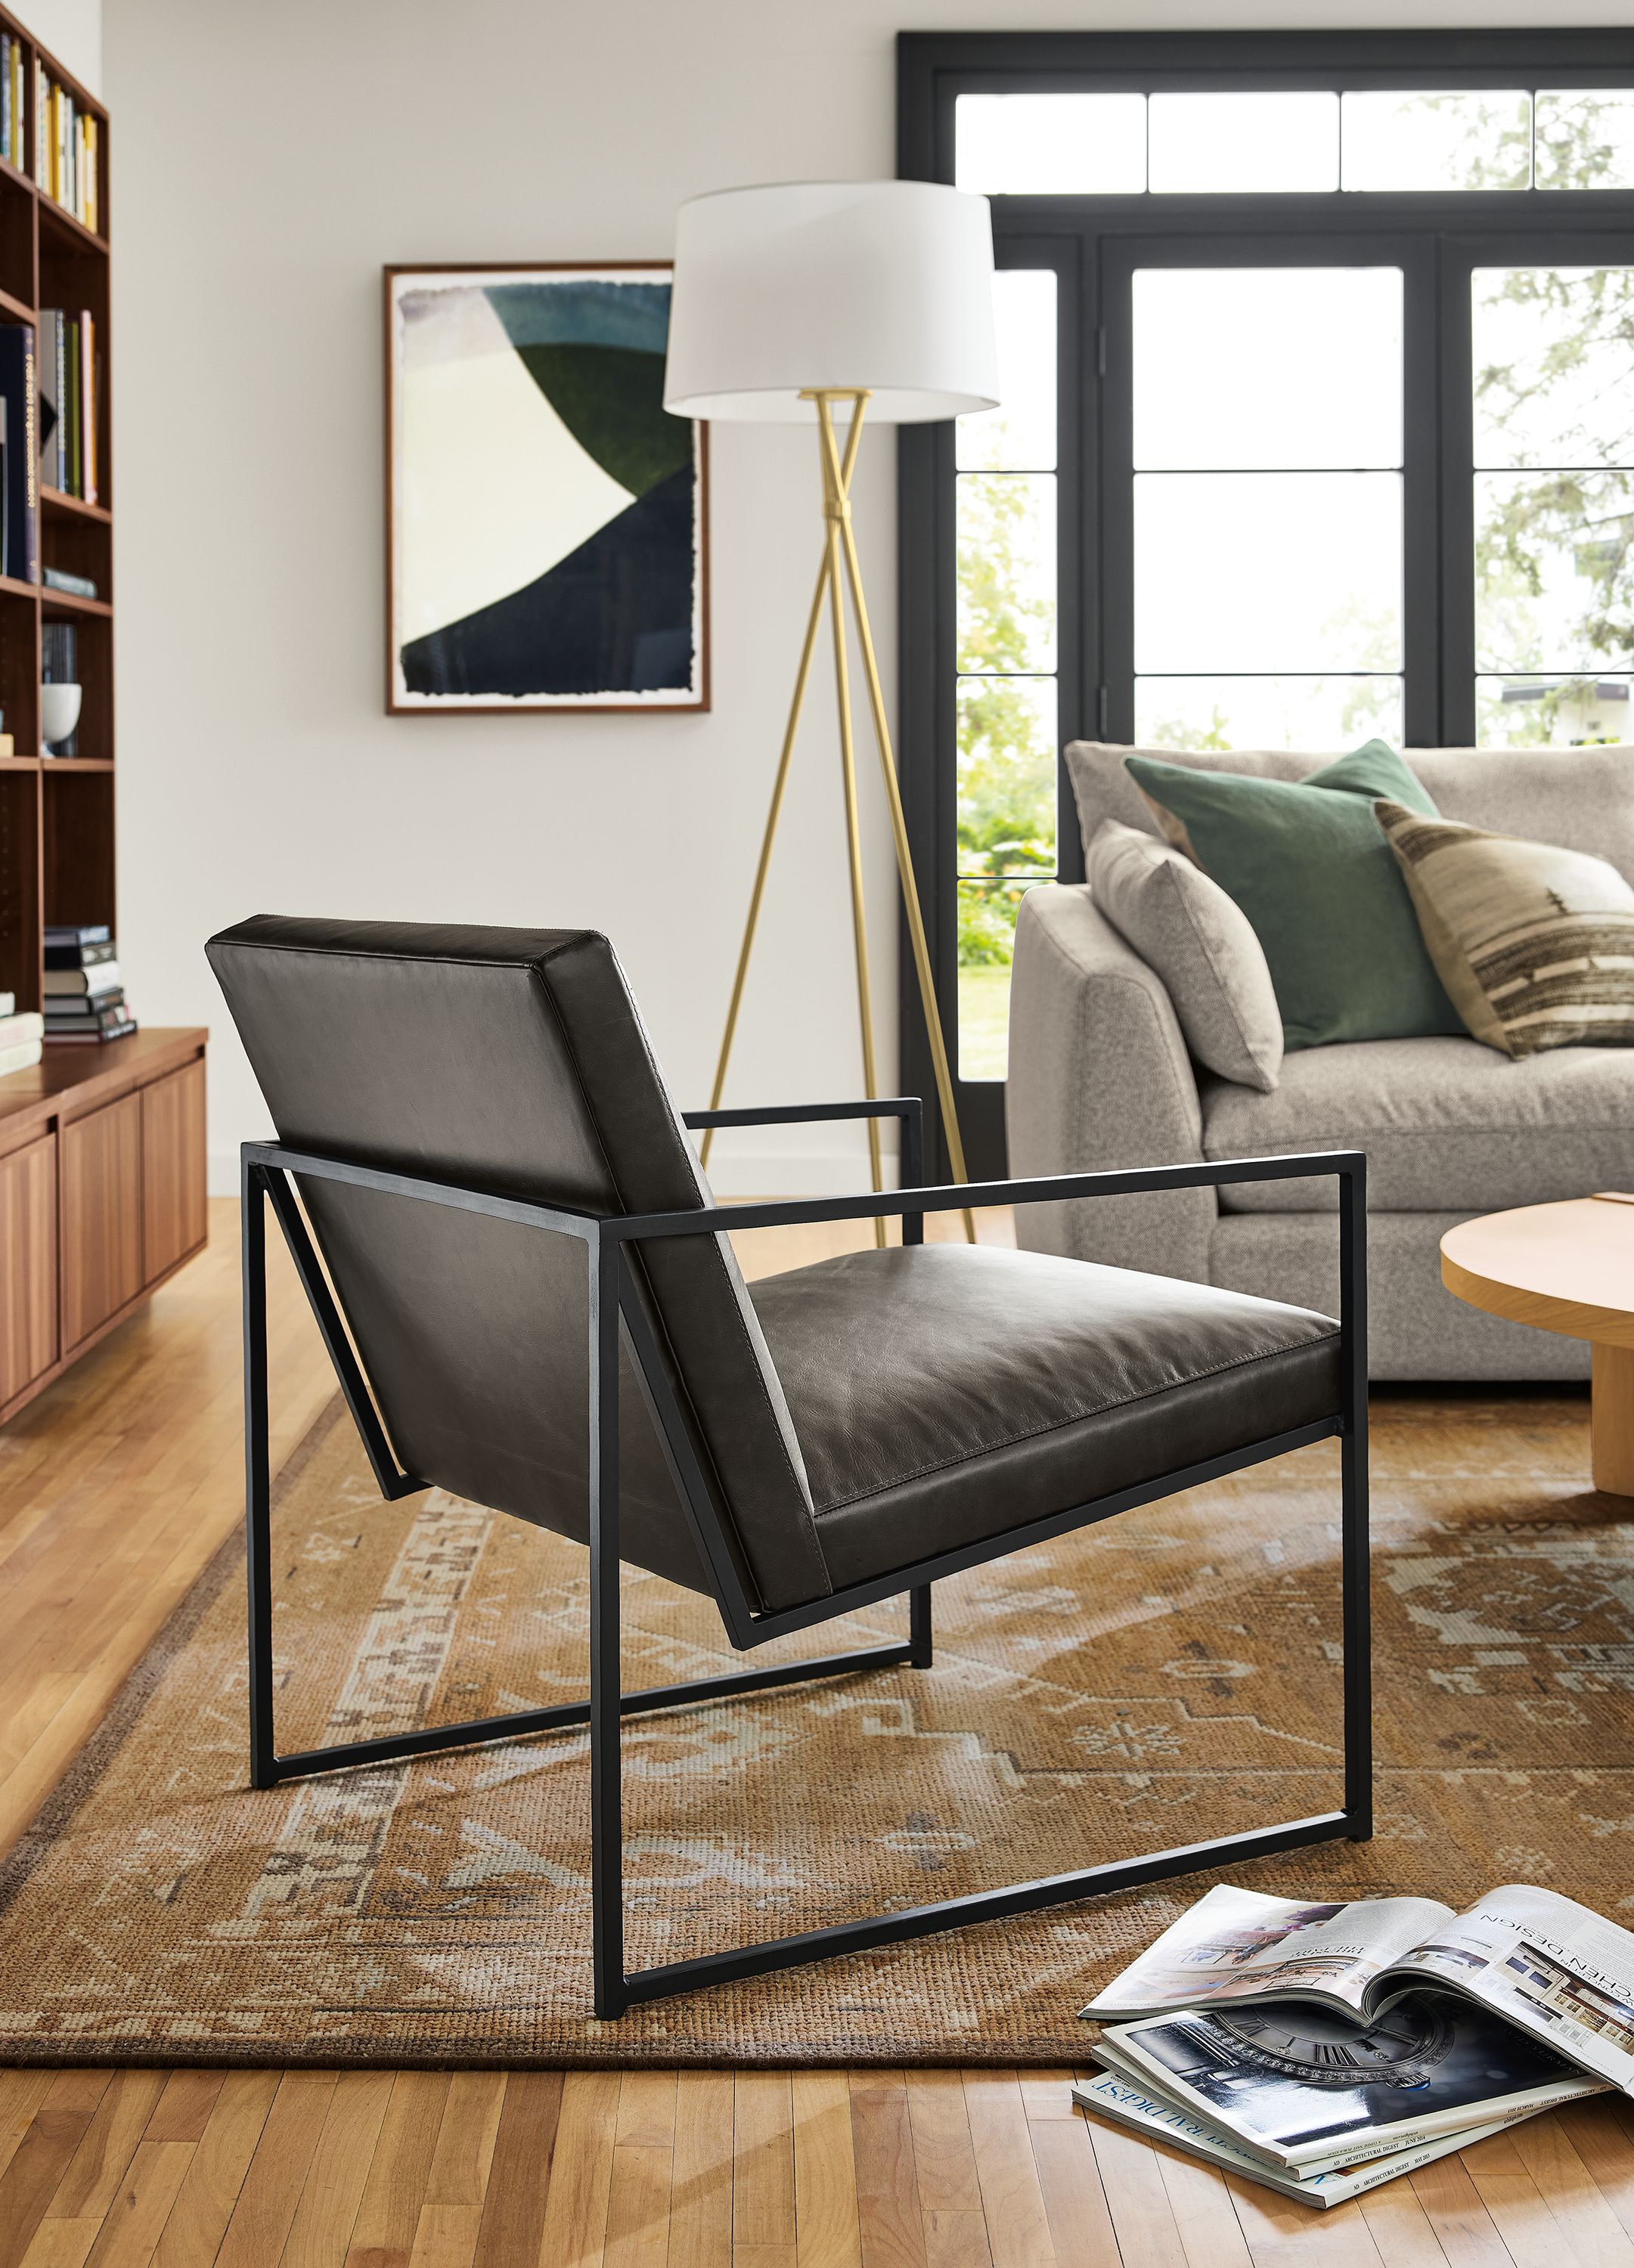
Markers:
{"x": 945, "y": 1394}
{"x": 1448, "y": 1125}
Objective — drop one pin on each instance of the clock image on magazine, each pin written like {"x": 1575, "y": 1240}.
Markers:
{"x": 1401, "y": 2048}
{"x": 1301, "y": 2077}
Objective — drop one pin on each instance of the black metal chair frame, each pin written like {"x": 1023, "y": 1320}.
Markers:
{"x": 616, "y": 1312}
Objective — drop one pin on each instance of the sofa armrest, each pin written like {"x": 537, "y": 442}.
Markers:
{"x": 1099, "y": 1078}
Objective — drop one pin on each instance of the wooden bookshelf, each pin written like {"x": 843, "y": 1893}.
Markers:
{"x": 101, "y": 1148}
{"x": 56, "y": 815}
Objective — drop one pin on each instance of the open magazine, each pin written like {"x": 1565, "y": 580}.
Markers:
{"x": 1551, "y": 1968}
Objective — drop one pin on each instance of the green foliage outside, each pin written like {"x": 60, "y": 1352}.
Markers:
{"x": 1006, "y": 812}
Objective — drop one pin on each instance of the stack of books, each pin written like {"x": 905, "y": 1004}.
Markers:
{"x": 19, "y": 1036}
{"x": 1323, "y": 2048}
{"x": 66, "y": 143}
{"x": 85, "y": 991}
{"x": 68, "y": 380}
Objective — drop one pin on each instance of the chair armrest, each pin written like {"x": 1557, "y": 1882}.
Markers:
{"x": 1349, "y": 1167}
{"x": 1100, "y": 1077}
{"x": 906, "y": 1108}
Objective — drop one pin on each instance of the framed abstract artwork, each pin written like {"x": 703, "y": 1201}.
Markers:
{"x": 547, "y": 520}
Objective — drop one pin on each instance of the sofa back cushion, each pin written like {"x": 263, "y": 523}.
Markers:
{"x": 1308, "y": 864}
{"x": 1534, "y": 943}
{"x": 1582, "y": 799}
{"x": 1202, "y": 944}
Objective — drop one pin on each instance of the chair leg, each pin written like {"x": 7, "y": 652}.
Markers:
{"x": 1354, "y": 1560}
{"x": 919, "y": 1639}
{"x": 1353, "y": 1539}
{"x": 606, "y": 1826}
{"x": 257, "y": 1477}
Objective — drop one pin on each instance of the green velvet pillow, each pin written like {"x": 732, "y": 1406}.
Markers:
{"x": 1307, "y": 863}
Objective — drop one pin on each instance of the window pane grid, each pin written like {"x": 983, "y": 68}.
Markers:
{"x": 1356, "y": 140}
{"x": 1553, "y": 498}
{"x": 1006, "y": 691}
{"x": 1268, "y": 584}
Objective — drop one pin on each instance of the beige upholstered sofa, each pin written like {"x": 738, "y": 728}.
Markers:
{"x": 1100, "y": 1076}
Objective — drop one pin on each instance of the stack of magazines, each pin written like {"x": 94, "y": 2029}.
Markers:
{"x": 1323, "y": 2049}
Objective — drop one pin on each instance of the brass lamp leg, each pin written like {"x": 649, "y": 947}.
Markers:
{"x": 848, "y": 773}
{"x": 774, "y": 814}
{"x": 840, "y": 476}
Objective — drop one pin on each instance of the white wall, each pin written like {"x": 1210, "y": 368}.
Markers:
{"x": 268, "y": 161}
{"x": 71, "y": 30}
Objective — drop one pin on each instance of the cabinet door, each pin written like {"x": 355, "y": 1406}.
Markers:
{"x": 27, "y": 1264}
{"x": 173, "y": 1219}
{"x": 101, "y": 1162}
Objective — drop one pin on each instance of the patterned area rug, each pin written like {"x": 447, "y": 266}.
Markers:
{"x": 1170, "y": 1676}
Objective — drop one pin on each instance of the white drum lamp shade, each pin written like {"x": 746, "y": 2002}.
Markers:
{"x": 882, "y": 285}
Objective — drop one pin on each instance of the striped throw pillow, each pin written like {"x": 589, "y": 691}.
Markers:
{"x": 1535, "y": 944}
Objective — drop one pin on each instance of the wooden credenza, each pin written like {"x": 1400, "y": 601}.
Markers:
{"x": 102, "y": 1195}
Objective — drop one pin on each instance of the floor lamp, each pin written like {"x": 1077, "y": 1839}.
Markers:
{"x": 817, "y": 302}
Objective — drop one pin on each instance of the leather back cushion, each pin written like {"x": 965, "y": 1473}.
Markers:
{"x": 513, "y": 1060}
{"x": 1578, "y": 798}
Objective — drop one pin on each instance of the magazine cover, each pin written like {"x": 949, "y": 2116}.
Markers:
{"x": 1304, "y": 2082}
{"x": 1159, "y": 2120}
{"x": 1351, "y": 2150}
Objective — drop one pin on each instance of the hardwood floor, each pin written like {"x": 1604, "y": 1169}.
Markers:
{"x": 115, "y": 1486}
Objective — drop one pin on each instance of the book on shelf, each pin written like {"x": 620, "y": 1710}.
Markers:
{"x": 1315, "y": 2032}
{"x": 45, "y": 419}
{"x": 76, "y": 955}
{"x": 16, "y": 1030}
{"x": 68, "y": 383}
{"x": 73, "y": 1008}
{"x": 77, "y": 933}
{"x": 106, "y": 1020}
{"x": 23, "y": 1057}
{"x": 11, "y": 85}
{"x": 93, "y": 1036}
{"x": 72, "y": 459}
{"x": 83, "y": 983}
{"x": 78, "y": 587}
{"x": 19, "y": 538}
{"x": 67, "y": 150}
{"x": 8, "y": 1003}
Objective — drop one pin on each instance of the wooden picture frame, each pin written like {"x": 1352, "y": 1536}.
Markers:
{"x": 547, "y": 522}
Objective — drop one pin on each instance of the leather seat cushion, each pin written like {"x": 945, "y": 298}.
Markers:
{"x": 944, "y": 1394}
{"x": 1448, "y": 1125}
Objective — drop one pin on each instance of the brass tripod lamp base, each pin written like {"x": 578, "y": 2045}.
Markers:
{"x": 841, "y": 571}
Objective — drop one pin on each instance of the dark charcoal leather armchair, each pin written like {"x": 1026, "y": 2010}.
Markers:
{"x": 548, "y": 1318}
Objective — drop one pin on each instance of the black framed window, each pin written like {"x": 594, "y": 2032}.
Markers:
{"x": 1335, "y": 335}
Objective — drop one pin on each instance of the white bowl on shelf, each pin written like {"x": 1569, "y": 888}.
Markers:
{"x": 59, "y": 713}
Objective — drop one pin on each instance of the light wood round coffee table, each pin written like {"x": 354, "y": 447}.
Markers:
{"x": 1566, "y": 1268}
